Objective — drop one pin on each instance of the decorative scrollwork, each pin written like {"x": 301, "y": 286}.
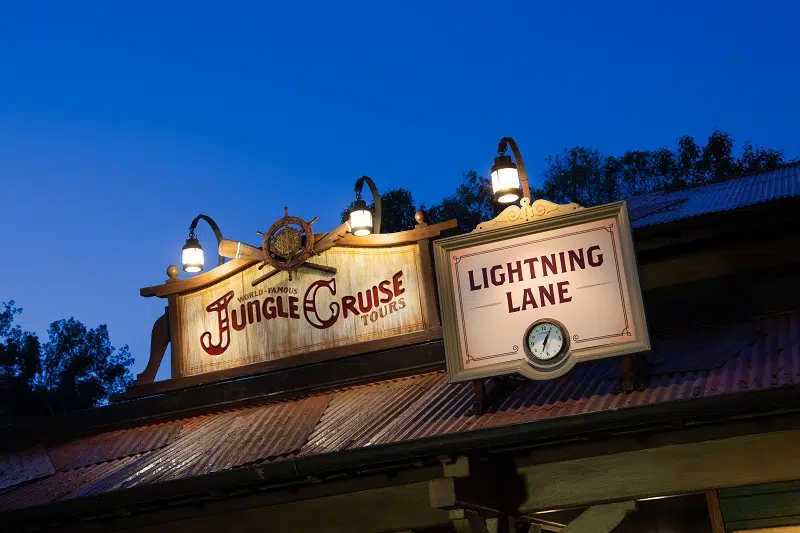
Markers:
{"x": 526, "y": 212}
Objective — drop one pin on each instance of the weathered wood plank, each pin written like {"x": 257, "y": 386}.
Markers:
{"x": 695, "y": 467}
{"x": 371, "y": 511}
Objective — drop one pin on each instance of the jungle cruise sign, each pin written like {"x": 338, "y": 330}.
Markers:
{"x": 298, "y": 298}
{"x": 374, "y": 294}
{"x": 538, "y": 289}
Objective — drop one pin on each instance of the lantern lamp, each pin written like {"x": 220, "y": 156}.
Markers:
{"x": 505, "y": 180}
{"x": 509, "y": 179}
{"x": 362, "y": 221}
{"x": 192, "y": 255}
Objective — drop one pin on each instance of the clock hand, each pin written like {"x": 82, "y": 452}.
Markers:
{"x": 544, "y": 342}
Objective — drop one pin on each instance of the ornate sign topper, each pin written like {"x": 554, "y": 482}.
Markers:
{"x": 539, "y": 289}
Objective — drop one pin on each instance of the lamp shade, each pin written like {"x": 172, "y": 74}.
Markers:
{"x": 505, "y": 180}
{"x": 360, "y": 219}
{"x": 192, "y": 255}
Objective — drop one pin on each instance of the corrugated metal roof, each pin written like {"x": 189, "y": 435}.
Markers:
{"x": 219, "y": 442}
{"x": 60, "y": 486}
{"x": 771, "y": 361}
{"x": 19, "y": 467}
{"x": 758, "y": 353}
{"x": 662, "y": 207}
{"x": 113, "y": 445}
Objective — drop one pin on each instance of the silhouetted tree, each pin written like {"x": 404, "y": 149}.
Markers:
{"x": 20, "y": 365}
{"x": 397, "y": 211}
{"x": 585, "y": 176}
{"x": 471, "y": 204}
{"x": 76, "y": 368}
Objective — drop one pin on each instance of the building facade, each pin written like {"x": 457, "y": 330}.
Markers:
{"x": 699, "y": 434}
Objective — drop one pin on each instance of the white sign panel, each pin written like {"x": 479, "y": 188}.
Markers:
{"x": 538, "y": 297}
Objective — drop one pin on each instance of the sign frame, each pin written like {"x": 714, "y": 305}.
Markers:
{"x": 167, "y": 333}
{"x": 522, "y": 221}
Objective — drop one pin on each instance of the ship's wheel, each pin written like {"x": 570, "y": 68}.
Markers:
{"x": 288, "y": 243}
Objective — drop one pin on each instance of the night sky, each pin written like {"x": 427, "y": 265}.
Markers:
{"x": 119, "y": 122}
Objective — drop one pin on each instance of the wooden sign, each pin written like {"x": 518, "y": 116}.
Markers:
{"x": 539, "y": 289}
{"x": 375, "y": 294}
{"x": 354, "y": 295}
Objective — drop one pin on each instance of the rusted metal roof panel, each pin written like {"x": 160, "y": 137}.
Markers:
{"x": 357, "y": 413}
{"x": 222, "y": 441}
{"x": 758, "y": 353}
{"x": 60, "y": 486}
{"x": 113, "y": 445}
{"x": 442, "y": 408}
{"x": 16, "y": 468}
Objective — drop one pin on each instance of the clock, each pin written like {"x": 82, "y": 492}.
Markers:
{"x": 546, "y": 344}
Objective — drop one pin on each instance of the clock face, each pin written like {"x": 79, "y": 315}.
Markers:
{"x": 546, "y": 341}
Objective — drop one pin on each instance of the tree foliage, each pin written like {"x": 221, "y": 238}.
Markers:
{"x": 587, "y": 177}
{"x": 76, "y": 368}
{"x": 397, "y": 211}
{"x": 471, "y": 204}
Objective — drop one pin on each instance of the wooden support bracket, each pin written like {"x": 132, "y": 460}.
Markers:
{"x": 634, "y": 373}
{"x": 492, "y": 489}
{"x": 600, "y": 518}
{"x": 479, "y": 385}
{"x": 159, "y": 339}
{"x": 715, "y": 512}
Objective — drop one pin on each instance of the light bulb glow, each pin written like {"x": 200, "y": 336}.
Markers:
{"x": 506, "y": 185}
{"x": 192, "y": 259}
{"x": 361, "y": 222}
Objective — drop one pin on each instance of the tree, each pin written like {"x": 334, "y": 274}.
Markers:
{"x": 471, "y": 204}
{"x": 76, "y": 368}
{"x": 585, "y": 176}
{"x": 579, "y": 175}
{"x": 397, "y": 211}
{"x": 19, "y": 365}
{"x": 80, "y": 367}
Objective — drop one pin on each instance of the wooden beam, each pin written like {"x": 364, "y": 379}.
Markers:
{"x": 683, "y": 468}
{"x": 600, "y": 518}
{"x": 284, "y": 363}
{"x": 400, "y": 237}
{"x": 197, "y": 282}
{"x": 468, "y": 522}
{"x": 715, "y": 512}
{"x": 728, "y": 260}
{"x": 383, "y": 510}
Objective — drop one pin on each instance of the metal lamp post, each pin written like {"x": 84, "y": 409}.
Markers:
{"x": 362, "y": 220}
{"x": 192, "y": 256}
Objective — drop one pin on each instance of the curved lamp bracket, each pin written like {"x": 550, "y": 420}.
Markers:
{"x": 502, "y": 146}
{"x": 214, "y": 228}
{"x": 375, "y": 197}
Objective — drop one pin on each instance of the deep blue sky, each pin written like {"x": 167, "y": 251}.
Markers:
{"x": 119, "y": 122}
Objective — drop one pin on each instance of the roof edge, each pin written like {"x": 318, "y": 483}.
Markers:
{"x": 625, "y": 421}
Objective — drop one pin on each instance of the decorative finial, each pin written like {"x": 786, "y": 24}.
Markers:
{"x": 172, "y": 272}
{"x": 286, "y": 211}
{"x": 419, "y": 216}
